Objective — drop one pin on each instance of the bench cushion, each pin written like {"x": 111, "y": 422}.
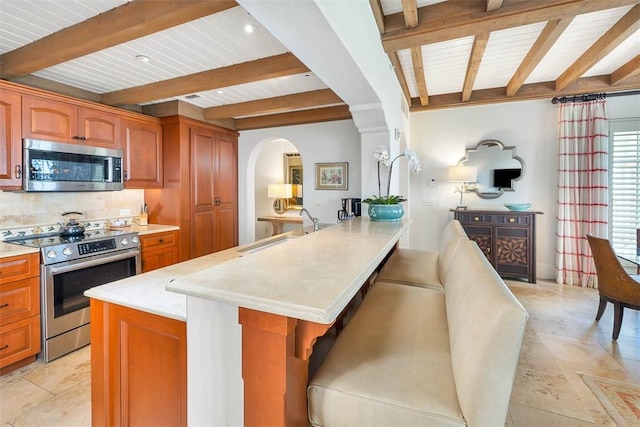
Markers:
{"x": 424, "y": 268}
{"x": 390, "y": 366}
{"x": 412, "y": 267}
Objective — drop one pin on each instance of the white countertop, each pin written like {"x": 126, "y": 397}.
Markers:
{"x": 311, "y": 277}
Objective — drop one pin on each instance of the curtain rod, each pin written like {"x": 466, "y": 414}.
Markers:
{"x": 592, "y": 96}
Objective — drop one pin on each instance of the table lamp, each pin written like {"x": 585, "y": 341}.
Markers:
{"x": 281, "y": 193}
{"x": 463, "y": 175}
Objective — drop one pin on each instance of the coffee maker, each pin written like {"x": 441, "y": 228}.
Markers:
{"x": 350, "y": 209}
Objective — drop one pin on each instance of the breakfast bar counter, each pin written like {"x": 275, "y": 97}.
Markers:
{"x": 253, "y": 314}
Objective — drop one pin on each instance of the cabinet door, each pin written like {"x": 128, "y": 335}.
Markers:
{"x": 483, "y": 236}
{"x": 142, "y": 146}
{"x": 226, "y": 193}
{"x": 203, "y": 199}
{"x": 99, "y": 128}
{"x": 19, "y": 300}
{"x": 19, "y": 340}
{"x": 512, "y": 258}
{"x": 138, "y": 368}
{"x": 11, "y": 142}
{"x": 159, "y": 250}
{"x": 49, "y": 120}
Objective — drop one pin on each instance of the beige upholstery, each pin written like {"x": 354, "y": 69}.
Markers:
{"x": 390, "y": 366}
{"x": 424, "y": 268}
{"x": 486, "y": 326}
{"x": 413, "y": 356}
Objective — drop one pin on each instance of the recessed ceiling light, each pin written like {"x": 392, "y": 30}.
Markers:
{"x": 220, "y": 92}
{"x": 250, "y": 28}
{"x": 143, "y": 58}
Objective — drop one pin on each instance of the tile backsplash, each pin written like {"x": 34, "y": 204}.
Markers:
{"x": 23, "y": 212}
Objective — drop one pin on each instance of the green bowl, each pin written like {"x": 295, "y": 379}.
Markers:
{"x": 518, "y": 206}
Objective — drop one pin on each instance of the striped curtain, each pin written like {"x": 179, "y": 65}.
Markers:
{"x": 583, "y": 194}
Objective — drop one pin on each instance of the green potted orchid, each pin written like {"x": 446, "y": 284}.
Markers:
{"x": 387, "y": 207}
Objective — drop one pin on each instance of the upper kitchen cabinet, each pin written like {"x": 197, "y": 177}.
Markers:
{"x": 52, "y": 120}
{"x": 142, "y": 146}
{"x": 200, "y": 193}
{"x": 11, "y": 147}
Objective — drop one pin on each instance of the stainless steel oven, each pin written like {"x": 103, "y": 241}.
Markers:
{"x": 70, "y": 266}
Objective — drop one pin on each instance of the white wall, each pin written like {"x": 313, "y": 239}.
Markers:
{"x": 337, "y": 141}
{"x": 269, "y": 170}
{"x": 440, "y": 138}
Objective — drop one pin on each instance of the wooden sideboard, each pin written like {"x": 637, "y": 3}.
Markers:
{"x": 507, "y": 238}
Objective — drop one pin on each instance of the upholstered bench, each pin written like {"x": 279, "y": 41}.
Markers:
{"x": 424, "y": 268}
{"x": 414, "y": 356}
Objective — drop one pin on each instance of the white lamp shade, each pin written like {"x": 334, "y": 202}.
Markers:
{"x": 279, "y": 191}
{"x": 463, "y": 174}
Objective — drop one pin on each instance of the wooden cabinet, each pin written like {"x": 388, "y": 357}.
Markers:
{"x": 138, "y": 367}
{"x": 19, "y": 311}
{"x": 142, "y": 146}
{"x": 159, "y": 250}
{"x": 508, "y": 240}
{"x": 213, "y": 191}
{"x": 200, "y": 192}
{"x": 54, "y": 120}
{"x": 10, "y": 140}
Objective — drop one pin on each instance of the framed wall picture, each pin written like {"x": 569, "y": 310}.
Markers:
{"x": 332, "y": 176}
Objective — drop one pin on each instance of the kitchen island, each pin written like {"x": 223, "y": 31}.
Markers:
{"x": 253, "y": 313}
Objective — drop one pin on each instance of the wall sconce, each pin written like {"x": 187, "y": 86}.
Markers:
{"x": 463, "y": 175}
{"x": 281, "y": 193}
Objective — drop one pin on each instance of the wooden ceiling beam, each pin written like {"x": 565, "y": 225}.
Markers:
{"x": 456, "y": 19}
{"x": 295, "y": 118}
{"x": 378, "y": 14}
{"x": 252, "y": 71}
{"x": 278, "y": 104}
{"x": 397, "y": 68}
{"x": 410, "y": 12}
{"x": 627, "y": 25}
{"x": 549, "y": 35}
{"x": 628, "y": 70}
{"x": 418, "y": 72}
{"x": 477, "y": 52}
{"x": 122, "y": 24}
{"x": 531, "y": 91}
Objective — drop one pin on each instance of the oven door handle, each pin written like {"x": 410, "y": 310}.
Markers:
{"x": 93, "y": 261}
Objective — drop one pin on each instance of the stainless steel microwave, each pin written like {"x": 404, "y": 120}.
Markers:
{"x": 55, "y": 166}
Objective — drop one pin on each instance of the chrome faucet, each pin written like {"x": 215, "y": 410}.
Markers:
{"x": 316, "y": 225}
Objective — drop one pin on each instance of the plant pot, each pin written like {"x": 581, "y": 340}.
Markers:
{"x": 385, "y": 212}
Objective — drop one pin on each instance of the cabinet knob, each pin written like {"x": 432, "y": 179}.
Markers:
{"x": 4, "y": 346}
{"x": 475, "y": 218}
{"x": 488, "y": 250}
{"x": 17, "y": 171}
{"x": 6, "y": 304}
{"x": 161, "y": 241}
{"x": 512, "y": 219}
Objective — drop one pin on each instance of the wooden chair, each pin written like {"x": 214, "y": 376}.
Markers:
{"x": 615, "y": 285}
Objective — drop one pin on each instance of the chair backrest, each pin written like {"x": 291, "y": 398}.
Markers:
{"x": 451, "y": 237}
{"x": 613, "y": 280}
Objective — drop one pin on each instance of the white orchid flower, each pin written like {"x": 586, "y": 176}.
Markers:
{"x": 381, "y": 154}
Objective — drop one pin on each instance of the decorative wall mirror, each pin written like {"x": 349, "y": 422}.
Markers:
{"x": 293, "y": 175}
{"x": 498, "y": 168}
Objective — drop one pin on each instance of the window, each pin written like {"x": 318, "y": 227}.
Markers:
{"x": 624, "y": 175}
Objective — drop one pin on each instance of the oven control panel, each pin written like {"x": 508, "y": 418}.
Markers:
{"x": 70, "y": 251}
{"x": 95, "y": 247}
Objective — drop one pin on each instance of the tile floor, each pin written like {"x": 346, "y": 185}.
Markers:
{"x": 561, "y": 340}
